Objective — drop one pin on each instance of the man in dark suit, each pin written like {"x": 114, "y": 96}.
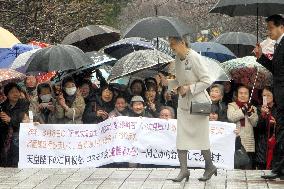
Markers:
{"x": 275, "y": 25}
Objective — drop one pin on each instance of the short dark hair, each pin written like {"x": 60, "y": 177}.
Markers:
{"x": 277, "y": 19}
{"x": 85, "y": 82}
{"x": 68, "y": 79}
{"x": 10, "y": 86}
{"x": 120, "y": 96}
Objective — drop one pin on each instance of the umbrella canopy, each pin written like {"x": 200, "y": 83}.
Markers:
{"x": 244, "y": 71}
{"x": 241, "y": 44}
{"x": 20, "y": 62}
{"x": 125, "y": 46}
{"x": 137, "y": 61}
{"x": 247, "y": 7}
{"x": 213, "y": 50}
{"x": 8, "y": 55}
{"x": 55, "y": 58}
{"x": 39, "y": 44}
{"x": 99, "y": 60}
{"x": 236, "y": 38}
{"x": 92, "y": 37}
{"x": 9, "y": 75}
{"x": 158, "y": 26}
{"x": 7, "y": 39}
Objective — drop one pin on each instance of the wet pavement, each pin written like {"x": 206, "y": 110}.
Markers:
{"x": 130, "y": 178}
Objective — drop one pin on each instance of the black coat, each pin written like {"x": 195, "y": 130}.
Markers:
{"x": 261, "y": 136}
{"x": 16, "y": 113}
{"x": 222, "y": 111}
{"x": 276, "y": 67}
{"x": 92, "y": 106}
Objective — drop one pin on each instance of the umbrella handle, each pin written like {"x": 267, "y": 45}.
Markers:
{"x": 253, "y": 87}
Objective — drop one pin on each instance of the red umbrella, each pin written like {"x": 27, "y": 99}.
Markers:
{"x": 45, "y": 77}
{"x": 39, "y": 44}
{"x": 271, "y": 142}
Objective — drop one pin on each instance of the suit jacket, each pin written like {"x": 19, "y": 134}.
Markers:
{"x": 276, "y": 67}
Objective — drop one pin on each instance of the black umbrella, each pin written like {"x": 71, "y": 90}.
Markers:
{"x": 55, "y": 58}
{"x": 158, "y": 26}
{"x": 125, "y": 46}
{"x": 241, "y": 44}
{"x": 92, "y": 38}
{"x": 249, "y": 7}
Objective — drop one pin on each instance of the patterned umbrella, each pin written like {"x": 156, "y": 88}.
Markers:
{"x": 7, "y": 39}
{"x": 9, "y": 75}
{"x": 244, "y": 71}
{"x": 8, "y": 55}
{"x": 137, "y": 61}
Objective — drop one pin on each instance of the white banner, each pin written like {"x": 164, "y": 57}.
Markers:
{"x": 119, "y": 139}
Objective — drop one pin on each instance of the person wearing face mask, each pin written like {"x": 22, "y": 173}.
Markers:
{"x": 70, "y": 104}
{"x": 245, "y": 116}
{"x": 31, "y": 83}
{"x": 98, "y": 110}
{"x": 216, "y": 96}
{"x": 43, "y": 106}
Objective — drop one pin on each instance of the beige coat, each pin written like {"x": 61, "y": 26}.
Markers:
{"x": 74, "y": 114}
{"x": 38, "y": 115}
{"x": 192, "y": 130}
{"x": 235, "y": 114}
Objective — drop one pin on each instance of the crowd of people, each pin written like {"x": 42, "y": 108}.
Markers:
{"x": 80, "y": 101}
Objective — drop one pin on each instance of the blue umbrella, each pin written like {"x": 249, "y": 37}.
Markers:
{"x": 8, "y": 55}
{"x": 213, "y": 50}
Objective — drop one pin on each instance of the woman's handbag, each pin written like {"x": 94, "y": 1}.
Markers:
{"x": 200, "y": 108}
{"x": 241, "y": 158}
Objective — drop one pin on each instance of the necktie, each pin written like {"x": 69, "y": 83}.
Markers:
{"x": 275, "y": 46}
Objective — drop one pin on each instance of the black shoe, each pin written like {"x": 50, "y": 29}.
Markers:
{"x": 271, "y": 176}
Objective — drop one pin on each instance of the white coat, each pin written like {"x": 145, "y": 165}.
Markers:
{"x": 192, "y": 130}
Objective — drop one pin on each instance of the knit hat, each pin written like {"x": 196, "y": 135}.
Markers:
{"x": 137, "y": 99}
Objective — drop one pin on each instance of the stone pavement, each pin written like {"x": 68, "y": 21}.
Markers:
{"x": 130, "y": 178}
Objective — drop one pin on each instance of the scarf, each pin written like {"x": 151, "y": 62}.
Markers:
{"x": 70, "y": 99}
{"x": 241, "y": 105}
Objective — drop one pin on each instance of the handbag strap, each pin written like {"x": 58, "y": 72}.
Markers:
{"x": 208, "y": 98}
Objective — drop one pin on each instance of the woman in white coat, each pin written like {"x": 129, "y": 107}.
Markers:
{"x": 192, "y": 78}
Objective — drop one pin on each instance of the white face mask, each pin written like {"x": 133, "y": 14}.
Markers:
{"x": 46, "y": 98}
{"x": 71, "y": 91}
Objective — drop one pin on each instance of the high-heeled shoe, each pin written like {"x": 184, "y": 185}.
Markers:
{"x": 208, "y": 173}
{"x": 181, "y": 177}
{"x": 184, "y": 173}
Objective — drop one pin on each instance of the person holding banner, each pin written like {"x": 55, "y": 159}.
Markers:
{"x": 192, "y": 79}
